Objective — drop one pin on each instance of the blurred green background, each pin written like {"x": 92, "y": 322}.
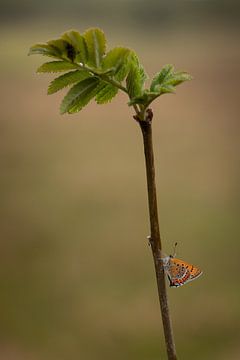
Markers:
{"x": 76, "y": 274}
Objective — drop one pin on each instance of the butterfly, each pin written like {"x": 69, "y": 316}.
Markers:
{"x": 179, "y": 272}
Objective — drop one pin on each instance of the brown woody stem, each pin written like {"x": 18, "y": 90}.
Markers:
{"x": 155, "y": 239}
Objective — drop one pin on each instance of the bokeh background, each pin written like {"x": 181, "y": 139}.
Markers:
{"x": 76, "y": 273}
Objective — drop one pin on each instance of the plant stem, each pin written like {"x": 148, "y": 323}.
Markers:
{"x": 155, "y": 239}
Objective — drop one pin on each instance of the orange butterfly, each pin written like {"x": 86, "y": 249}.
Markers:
{"x": 179, "y": 272}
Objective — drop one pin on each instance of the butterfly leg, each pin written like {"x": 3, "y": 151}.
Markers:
{"x": 174, "y": 250}
{"x": 149, "y": 240}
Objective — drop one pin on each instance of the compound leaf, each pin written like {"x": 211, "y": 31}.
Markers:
{"x": 97, "y": 74}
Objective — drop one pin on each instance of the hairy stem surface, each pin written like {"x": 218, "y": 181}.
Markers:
{"x": 155, "y": 239}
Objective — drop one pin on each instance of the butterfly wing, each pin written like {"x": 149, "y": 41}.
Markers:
{"x": 180, "y": 272}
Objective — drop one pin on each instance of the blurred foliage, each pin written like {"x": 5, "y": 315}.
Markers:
{"x": 154, "y": 14}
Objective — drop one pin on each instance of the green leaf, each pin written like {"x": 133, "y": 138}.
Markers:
{"x": 59, "y": 48}
{"x": 66, "y": 80}
{"x": 162, "y": 76}
{"x": 79, "y": 95}
{"x": 165, "y": 89}
{"x": 177, "y": 78}
{"x": 135, "y": 79}
{"x": 44, "y": 49}
{"x": 79, "y": 44}
{"x": 66, "y": 50}
{"x": 118, "y": 61}
{"x": 106, "y": 93}
{"x": 96, "y": 46}
{"x": 56, "y": 66}
{"x": 167, "y": 79}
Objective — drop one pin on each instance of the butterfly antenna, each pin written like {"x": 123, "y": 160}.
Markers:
{"x": 174, "y": 250}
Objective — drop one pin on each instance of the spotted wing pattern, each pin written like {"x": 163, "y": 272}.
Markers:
{"x": 180, "y": 272}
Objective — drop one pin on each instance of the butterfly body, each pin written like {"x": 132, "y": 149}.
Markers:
{"x": 179, "y": 272}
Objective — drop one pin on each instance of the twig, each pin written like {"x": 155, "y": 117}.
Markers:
{"x": 155, "y": 239}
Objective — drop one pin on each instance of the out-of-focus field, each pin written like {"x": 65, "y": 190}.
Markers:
{"x": 76, "y": 273}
